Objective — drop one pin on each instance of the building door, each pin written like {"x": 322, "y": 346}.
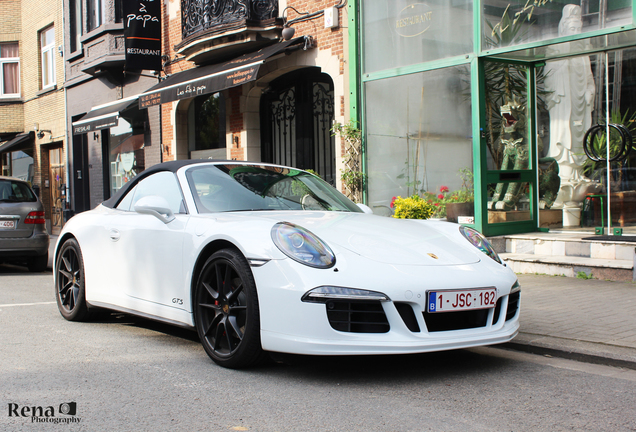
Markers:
{"x": 297, "y": 112}
{"x": 509, "y": 187}
{"x": 57, "y": 189}
{"x": 79, "y": 169}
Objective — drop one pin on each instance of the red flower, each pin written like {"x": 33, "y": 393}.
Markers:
{"x": 436, "y": 204}
{"x": 443, "y": 189}
{"x": 393, "y": 201}
{"x": 440, "y": 196}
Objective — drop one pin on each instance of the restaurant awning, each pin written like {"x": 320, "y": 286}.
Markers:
{"x": 213, "y": 78}
{"x": 21, "y": 142}
{"x": 102, "y": 116}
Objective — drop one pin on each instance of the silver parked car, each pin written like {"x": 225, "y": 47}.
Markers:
{"x": 23, "y": 236}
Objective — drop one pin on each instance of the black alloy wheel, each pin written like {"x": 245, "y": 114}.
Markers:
{"x": 226, "y": 311}
{"x": 69, "y": 282}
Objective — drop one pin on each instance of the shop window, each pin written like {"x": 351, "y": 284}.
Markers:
{"x": 419, "y": 139}
{"x": 516, "y": 22}
{"x": 18, "y": 164}
{"x": 398, "y": 33}
{"x": 10, "y": 70}
{"x": 126, "y": 147}
{"x": 47, "y": 61}
{"x": 206, "y": 120}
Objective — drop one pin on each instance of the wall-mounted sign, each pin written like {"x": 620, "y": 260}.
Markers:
{"x": 413, "y": 20}
{"x": 142, "y": 32}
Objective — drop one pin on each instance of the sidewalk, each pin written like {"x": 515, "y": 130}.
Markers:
{"x": 588, "y": 320}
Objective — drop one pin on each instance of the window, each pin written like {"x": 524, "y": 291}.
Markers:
{"x": 163, "y": 184}
{"x": 206, "y": 118}
{"x": 47, "y": 48}
{"x": 10, "y": 70}
{"x": 95, "y": 15}
{"x": 75, "y": 11}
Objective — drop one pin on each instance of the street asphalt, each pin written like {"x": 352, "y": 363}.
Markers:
{"x": 588, "y": 320}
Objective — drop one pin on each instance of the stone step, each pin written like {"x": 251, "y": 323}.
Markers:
{"x": 567, "y": 254}
{"x": 565, "y": 245}
{"x": 571, "y": 266}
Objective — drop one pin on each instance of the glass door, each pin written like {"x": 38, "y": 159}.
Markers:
{"x": 509, "y": 151}
{"x": 585, "y": 177}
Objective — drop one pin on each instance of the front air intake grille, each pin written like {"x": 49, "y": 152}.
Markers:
{"x": 408, "y": 316}
{"x": 513, "y": 305}
{"x": 357, "y": 317}
{"x": 446, "y": 321}
{"x": 495, "y": 317}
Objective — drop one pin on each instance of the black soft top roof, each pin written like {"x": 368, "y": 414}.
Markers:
{"x": 172, "y": 166}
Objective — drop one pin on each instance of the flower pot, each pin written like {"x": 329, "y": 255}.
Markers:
{"x": 454, "y": 210}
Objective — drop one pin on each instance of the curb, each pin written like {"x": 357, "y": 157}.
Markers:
{"x": 587, "y": 352}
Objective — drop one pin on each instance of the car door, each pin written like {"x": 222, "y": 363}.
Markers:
{"x": 149, "y": 251}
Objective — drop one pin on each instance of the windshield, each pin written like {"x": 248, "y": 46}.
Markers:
{"x": 15, "y": 191}
{"x": 234, "y": 187}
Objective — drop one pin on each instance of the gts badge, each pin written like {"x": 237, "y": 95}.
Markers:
{"x": 177, "y": 301}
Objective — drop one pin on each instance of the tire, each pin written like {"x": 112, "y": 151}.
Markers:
{"x": 39, "y": 263}
{"x": 70, "y": 290}
{"x": 226, "y": 311}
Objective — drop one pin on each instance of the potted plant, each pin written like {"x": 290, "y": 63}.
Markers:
{"x": 413, "y": 207}
{"x": 462, "y": 202}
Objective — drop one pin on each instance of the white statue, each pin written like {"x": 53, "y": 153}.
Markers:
{"x": 571, "y": 88}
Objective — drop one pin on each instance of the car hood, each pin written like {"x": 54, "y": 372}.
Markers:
{"x": 385, "y": 240}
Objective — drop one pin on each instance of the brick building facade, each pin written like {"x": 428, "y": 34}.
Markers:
{"x": 32, "y": 115}
{"x": 97, "y": 80}
{"x": 316, "y": 66}
{"x": 306, "y": 75}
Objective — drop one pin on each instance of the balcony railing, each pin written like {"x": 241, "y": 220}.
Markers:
{"x": 203, "y": 15}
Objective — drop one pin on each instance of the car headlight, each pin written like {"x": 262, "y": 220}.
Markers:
{"x": 480, "y": 242}
{"x": 302, "y": 246}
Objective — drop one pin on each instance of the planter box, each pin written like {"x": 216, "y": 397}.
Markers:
{"x": 547, "y": 218}
{"x": 454, "y": 210}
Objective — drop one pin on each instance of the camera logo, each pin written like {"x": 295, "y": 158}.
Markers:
{"x": 68, "y": 408}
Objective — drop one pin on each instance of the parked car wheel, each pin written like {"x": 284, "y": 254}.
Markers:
{"x": 69, "y": 282}
{"x": 226, "y": 305}
{"x": 39, "y": 263}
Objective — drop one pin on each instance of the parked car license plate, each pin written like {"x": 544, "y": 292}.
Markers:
{"x": 459, "y": 300}
{"x": 7, "y": 224}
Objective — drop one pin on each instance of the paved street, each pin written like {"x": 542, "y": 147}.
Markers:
{"x": 132, "y": 374}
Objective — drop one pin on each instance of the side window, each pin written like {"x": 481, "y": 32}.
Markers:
{"x": 163, "y": 184}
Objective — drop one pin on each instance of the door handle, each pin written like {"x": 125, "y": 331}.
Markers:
{"x": 114, "y": 234}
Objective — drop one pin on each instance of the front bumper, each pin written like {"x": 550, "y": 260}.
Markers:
{"x": 292, "y": 326}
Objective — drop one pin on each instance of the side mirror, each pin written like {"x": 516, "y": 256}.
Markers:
{"x": 365, "y": 208}
{"x": 156, "y": 206}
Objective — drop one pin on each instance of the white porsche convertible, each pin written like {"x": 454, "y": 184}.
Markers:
{"x": 263, "y": 258}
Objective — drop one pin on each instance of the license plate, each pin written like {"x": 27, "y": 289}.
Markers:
{"x": 7, "y": 224}
{"x": 460, "y": 300}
